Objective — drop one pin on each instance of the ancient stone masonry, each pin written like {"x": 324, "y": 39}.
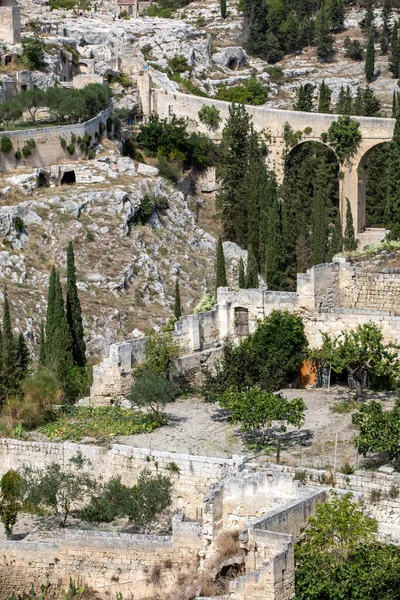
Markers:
{"x": 270, "y": 123}
{"x": 10, "y": 22}
{"x": 330, "y": 298}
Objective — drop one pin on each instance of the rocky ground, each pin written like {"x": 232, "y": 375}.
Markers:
{"x": 126, "y": 270}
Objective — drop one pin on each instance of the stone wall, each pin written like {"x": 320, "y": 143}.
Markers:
{"x": 196, "y": 473}
{"x": 10, "y": 22}
{"x": 48, "y": 150}
{"x": 108, "y": 562}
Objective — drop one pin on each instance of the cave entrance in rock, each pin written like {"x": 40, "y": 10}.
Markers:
{"x": 43, "y": 180}
{"x": 68, "y": 178}
{"x": 233, "y": 64}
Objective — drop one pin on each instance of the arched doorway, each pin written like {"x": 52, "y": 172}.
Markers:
{"x": 310, "y": 197}
{"x": 372, "y": 186}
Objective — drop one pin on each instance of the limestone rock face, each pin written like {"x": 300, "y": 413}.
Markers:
{"x": 232, "y": 57}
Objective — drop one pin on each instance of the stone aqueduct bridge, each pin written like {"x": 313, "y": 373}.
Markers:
{"x": 270, "y": 124}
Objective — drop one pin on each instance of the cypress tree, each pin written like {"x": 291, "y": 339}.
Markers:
{"x": 62, "y": 352}
{"x": 223, "y": 8}
{"x": 386, "y": 29}
{"x": 344, "y": 105}
{"x": 369, "y": 17}
{"x": 254, "y": 186}
{"x": 336, "y": 241}
{"x": 50, "y": 320}
{"x": 325, "y": 94}
{"x": 42, "y": 346}
{"x": 324, "y": 40}
{"x": 392, "y": 208}
{"x": 23, "y": 358}
{"x": 232, "y": 165}
{"x": 304, "y": 99}
{"x": 275, "y": 248}
{"x": 303, "y": 253}
{"x": 220, "y": 279}
{"x": 10, "y": 374}
{"x": 394, "y": 105}
{"x": 177, "y": 304}
{"x": 371, "y": 104}
{"x": 336, "y": 14}
{"x": 394, "y": 60}
{"x": 319, "y": 235}
{"x": 358, "y": 104}
{"x": 2, "y": 389}
{"x": 241, "y": 277}
{"x": 74, "y": 311}
{"x": 349, "y": 240}
{"x": 252, "y": 270}
{"x": 370, "y": 59}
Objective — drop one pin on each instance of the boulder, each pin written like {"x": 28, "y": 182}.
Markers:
{"x": 147, "y": 170}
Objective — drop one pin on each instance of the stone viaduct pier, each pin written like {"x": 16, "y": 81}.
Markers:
{"x": 270, "y": 123}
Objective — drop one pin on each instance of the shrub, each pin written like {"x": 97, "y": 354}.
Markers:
{"x": 18, "y": 155}
{"x": 251, "y": 92}
{"x": 354, "y": 50}
{"x": 375, "y": 496}
{"x": 18, "y": 224}
{"x": 168, "y": 170}
{"x": 207, "y": 303}
{"x": 210, "y": 116}
{"x": 146, "y": 50}
{"x": 63, "y": 143}
{"x": 152, "y": 391}
{"x": 346, "y": 468}
{"x": 28, "y": 147}
{"x": 178, "y": 64}
{"x": 71, "y": 149}
{"x": 5, "y": 144}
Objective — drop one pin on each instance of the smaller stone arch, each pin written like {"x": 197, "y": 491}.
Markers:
{"x": 83, "y": 67}
{"x": 43, "y": 179}
{"x": 241, "y": 321}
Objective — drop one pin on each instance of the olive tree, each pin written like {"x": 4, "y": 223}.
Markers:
{"x": 360, "y": 351}
{"x": 379, "y": 430}
{"x": 256, "y": 409}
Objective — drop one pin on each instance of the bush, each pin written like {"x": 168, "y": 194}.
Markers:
{"x": 71, "y": 149}
{"x": 152, "y": 391}
{"x": 207, "y": 303}
{"x": 18, "y": 155}
{"x": 32, "y": 52}
{"x": 210, "y": 116}
{"x": 270, "y": 357}
{"x": 354, "y": 50}
{"x": 18, "y": 224}
{"x": 168, "y": 170}
{"x": 179, "y": 64}
{"x": 28, "y": 147}
{"x": 5, "y": 144}
{"x": 251, "y": 92}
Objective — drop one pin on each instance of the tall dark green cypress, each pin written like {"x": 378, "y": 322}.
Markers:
{"x": 392, "y": 208}
{"x": 386, "y": 27}
{"x": 23, "y": 357}
{"x": 50, "y": 319}
{"x": 74, "y": 311}
{"x": 254, "y": 186}
{"x": 369, "y": 16}
{"x": 370, "y": 59}
{"x": 10, "y": 373}
{"x": 394, "y": 60}
{"x": 344, "y": 105}
{"x": 349, "y": 240}
{"x": 220, "y": 270}
{"x": 223, "y": 8}
{"x": 2, "y": 388}
{"x": 319, "y": 235}
{"x": 42, "y": 346}
{"x": 177, "y": 303}
{"x": 394, "y": 105}
{"x": 241, "y": 275}
{"x": 252, "y": 270}
{"x": 336, "y": 241}
{"x": 61, "y": 358}
{"x": 274, "y": 250}
{"x": 323, "y": 38}
{"x": 325, "y": 95}
{"x": 304, "y": 99}
{"x": 231, "y": 199}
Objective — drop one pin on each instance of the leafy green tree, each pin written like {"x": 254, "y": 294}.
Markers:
{"x": 386, "y": 30}
{"x": 257, "y": 409}
{"x": 349, "y": 241}
{"x": 370, "y": 59}
{"x": 56, "y": 489}
{"x": 394, "y": 59}
{"x": 223, "y": 8}
{"x": 241, "y": 276}
{"x": 344, "y": 136}
{"x": 379, "y": 430}
{"x": 33, "y": 52}
{"x": 220, "y": 269}
{"x": 255, "y": 25}
{"x": 339, "y": 543}
{"x": 210, "y": 116}
{"x": 325, "y": 95}
{"x": 161, "y": 351}
{"x": 74, "y": 311}
{"x": 304, "y": 99}
{"x": 152, "y": 391}
{"x": 10, "y": 110}
{"x": 31, "y": 100}
{"x": 177, "y": 302}
{"x": 376, "y": 184}
{"x": 10, "y": 505}
{"x": 270, "y": 357}
{"x": 394, "y": 105}
{"x": 360, "y": 351}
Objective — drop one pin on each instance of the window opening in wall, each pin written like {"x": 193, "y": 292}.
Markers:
{"x": 241, "y": 321}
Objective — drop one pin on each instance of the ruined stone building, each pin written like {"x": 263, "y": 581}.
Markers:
{"x": 10, "y": 22}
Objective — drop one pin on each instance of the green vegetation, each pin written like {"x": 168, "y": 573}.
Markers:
{"x": 379, "y": 430}
{"x": 220, "y": 269}
{"x": 304, "y": 99}
{"x": 349, "y": 239}
{"x": 177, "y": 302}
{"x": 360, "y": 351}
{"x": 207, "y": 303}
{"x": 364, "y": 104}
{"x": 76, "y": 423}
{"x": 152, "y": 391}
{"x": 70, "y": 4}
{"x": 210, "y": 116}
{"x": 10, "y": 487}
{"x": 256, "y": 409}
{"x": 33, "y": 52}
{"x": 354, "y": 50}
{"x": 370, "y": 59}
{"x": 179, "y": 64}
{"x": 344, "y": 136}
{"x": 270, "y": 357}
{"x": 251, "y": 92}
{"x": 339, "y": 541}
{"x": 5, "y": 144}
